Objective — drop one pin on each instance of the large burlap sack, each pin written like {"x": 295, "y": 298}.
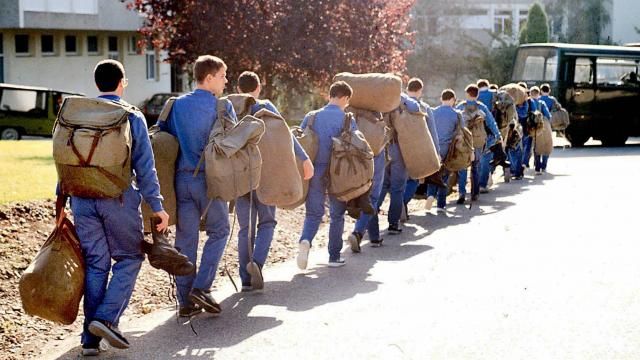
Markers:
{"x": 543, "y": 139}
{"x": 416, "y": 144}
{"x": 92, "y": 147}
{"x": 474, "y": 120}
{"x": 241, "y": 103}
{"x": 517, "y": 92}
{"x": 374, "y": 92}
{"x": 53, "y": 284}
{"x": 308, "y": 139}
{"x": 165, "y": 153}
{"x": 460, "y": 154}
{"x": 232, "y": 157}
{"x": 373, "y": 127}
{"x": 560, "y": 120}
{"x": 504, "y": 111}
{"x": 280, "y": 181}
{"x": 351, "y": 163}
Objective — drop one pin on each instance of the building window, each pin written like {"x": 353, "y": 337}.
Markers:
{"x": 113, "y": 48}
{"x": 22, "y": 44}
{"x": 151, "y": 62}
{"x": 92, "y": 45}
{"x": 133, "y": 45}
{"x": 70, "y": 44}
{"x": 617, "y": 72}
{"x": 47, "y": 45}
{"x": 503, "y": 22}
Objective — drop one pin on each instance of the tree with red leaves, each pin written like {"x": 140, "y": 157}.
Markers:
{"x": 300, "y": 43}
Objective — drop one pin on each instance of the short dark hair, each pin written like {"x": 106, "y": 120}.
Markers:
{"x": 448, "y": 94}
{"x": 248, "y": 81}
{"x": 205, "y": 65}
{"x": 535, "y": 90}
{"x": 545, "y": 88}
{"x": 483, "y": 83}
{"x": 340, "y": 89}
{"x": 415, "y": 84}
{"x": 472, "y": 90}
{"x": 524, "y": 85}
{"x": 107, "y": 75}
{"x": 494, "y": 87}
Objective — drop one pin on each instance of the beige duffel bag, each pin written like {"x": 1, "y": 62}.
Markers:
{"x": 373, "y": 127}
{"x": 280, "y": 181}
{"x": 517, "y": 92}
{"x": 543, "y": 139}
{"x": 232, "y": 158}
{"x": 308, "y": 139}
{"x": 374, "y": 91}
{"x": 92, "y": 147}
{"x": 165, "y": 153}
{"x": 460, "y": 154}
{"x": 416, "y": 144}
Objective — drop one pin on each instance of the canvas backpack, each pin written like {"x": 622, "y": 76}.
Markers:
{"x": 92, "y": 147}
{"x": 460, "y": 154}
{"x": 280, "y": 181}
{"x": 165, "y": 154}
{"x": 559, "y": 117}
{"x": 534, "y": 119}
{"x": 351, "y": 163}
{"x": 231, "y": 157}
{"x": 474, "y": 120}
{"x": 308, "y": 139}
{"x": 373, "y": 127}
{"x": 416, "y": 144}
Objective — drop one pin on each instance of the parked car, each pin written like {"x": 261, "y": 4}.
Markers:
{"x": 29, "y": 110}
{"x": 599, "y": 86}
{"x": 152, "y": 107}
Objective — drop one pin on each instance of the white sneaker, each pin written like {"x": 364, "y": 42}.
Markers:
{"x": 484, "y": 190}
{"x": 337, "y": 263}
{"x": 303, "y": 254}
{"x": 490, "y": 182}
{"x": 440, "y": 210}
{"x": 538, "y": 172}
{"x": 429, "y": 203}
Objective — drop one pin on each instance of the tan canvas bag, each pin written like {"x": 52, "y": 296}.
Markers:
{"x": 416, "y": 144}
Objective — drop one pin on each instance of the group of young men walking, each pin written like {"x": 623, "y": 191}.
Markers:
{"x": 111, "y": 229}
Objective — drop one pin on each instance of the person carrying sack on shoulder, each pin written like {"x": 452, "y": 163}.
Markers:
{"x": 249, "y": 83}
{"x": 472, "y": 93}
{"x": 415, "y": 89}
{"x": 191, "y": 120}
{"x": 540, "y": 161}
{"x": 486, "y": 96}
{"x": 328, "y": 124}
{"x": 111, "y": 228}
{"x": 446, "y": 118}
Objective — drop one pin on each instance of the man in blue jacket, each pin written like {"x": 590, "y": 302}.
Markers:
{"x": 190, "y": 121}
{"x": 486, "y": 96}
{"x": 111, "y": 229}
{"x": 249, "y": 83}
{"x": 327, "y": 125}
{"x": 472, "y": 100}
{"x": 446, "y": 118}
{"x": 415, "y": 88}
{"x": 540, "y": 161}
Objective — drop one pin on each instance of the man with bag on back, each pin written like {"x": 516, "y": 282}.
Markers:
{"x": 111, "y": 228}
{"x": 540, "y": 161}
{"x": 328, "y": 124}
{"x": 489, "y": 123}
{"x": 249, "y": 83}
{"x": 191, "y": 120}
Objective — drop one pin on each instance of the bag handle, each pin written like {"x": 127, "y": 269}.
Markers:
{"x": 166, "y": 110}
{"x": 61, "y": 202}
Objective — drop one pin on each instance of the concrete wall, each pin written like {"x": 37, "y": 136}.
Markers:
{"x": 75, "y": 72}
{"x": 9, "y": 14}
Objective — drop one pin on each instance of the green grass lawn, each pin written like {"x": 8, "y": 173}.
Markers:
{"x": 27, "y": 171}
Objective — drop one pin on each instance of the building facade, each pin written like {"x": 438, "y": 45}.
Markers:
{"x": 57, "y": 43}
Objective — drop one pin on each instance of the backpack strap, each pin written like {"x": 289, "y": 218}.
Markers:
{"x": 312, "y": 120}
{"x": 166, "y": 110}
{"x": 346, "y": 124}
{"x": 221, "y": 110}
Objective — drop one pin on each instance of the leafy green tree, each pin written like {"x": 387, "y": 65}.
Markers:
{"x": 536, "y": 29}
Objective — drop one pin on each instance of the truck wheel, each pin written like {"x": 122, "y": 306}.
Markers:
{"x": 10, "y": 134}
{"x": 614, "y": 140}
{"x": 576, "y": 139}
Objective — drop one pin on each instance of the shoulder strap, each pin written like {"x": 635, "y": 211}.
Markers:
{"x": 166, "y": 110}
{"x": 346, "y": 125}
{"x": 312, "y": 119}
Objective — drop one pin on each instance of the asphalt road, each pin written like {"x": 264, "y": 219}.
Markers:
{"x": 544, "y": 268}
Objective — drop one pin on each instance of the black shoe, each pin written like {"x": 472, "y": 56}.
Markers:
{"x": 394, "y": 230}
{"x": 110, "y": 333}
{"x": 205, "y": 300}
{"x": 354, "y": 241}
{"x": 460, "y": 200}
{"x": 475, "y": 197}
{"x": 165, "y": 257}
{"x": 189, "y": 311}
{"x": 376, "y": 243}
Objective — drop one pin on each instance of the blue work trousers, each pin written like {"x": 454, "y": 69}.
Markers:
{"x": 108, "y": 229}
{"x": 192, "y": 202}
{"x": 475, "y": 176}
{"x": 410, "y": 189}
{"x": 527, "y": 145}
{"x": 515, "y": 156}
{"x": 540, "y": 162}
{"x": 395, "y": 179}
{"x": 368, "y": 222}
{"x": 439, "y": 192}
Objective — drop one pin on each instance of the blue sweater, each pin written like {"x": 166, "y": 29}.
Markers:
{"x": 485, "y": 96}
{"x": 548, "y": 100}
{"x": 191, "y": 120}
{"x": 142, "y": 162}
{"x": 488, "y": 119}
{"x": 328, "y": 124}
{"x": 431, "y": 123}
{"x": 542, "y": 106}
{"x": 446, "y": 119}
{"x": 266, "y": 104}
